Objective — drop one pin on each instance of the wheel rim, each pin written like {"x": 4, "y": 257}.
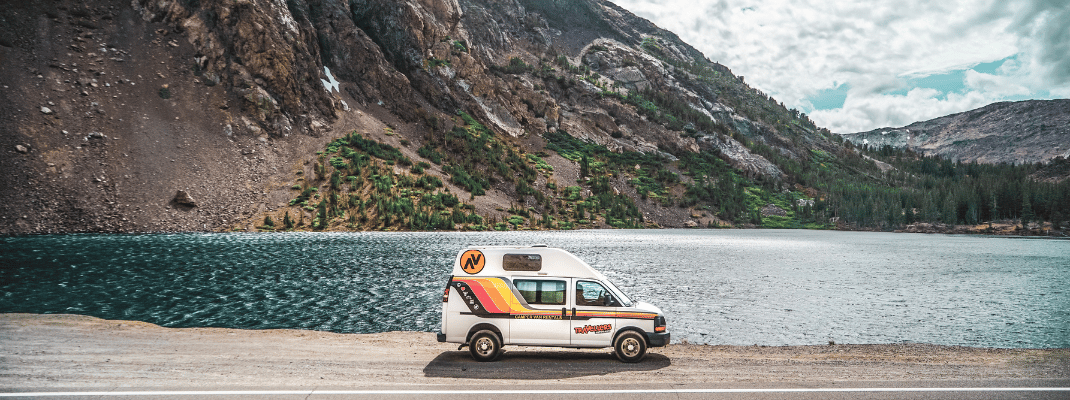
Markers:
{"x": 630, "y": 347}
{"x": 484, "y": 346}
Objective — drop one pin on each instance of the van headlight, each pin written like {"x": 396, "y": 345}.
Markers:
{"x": 659, "y": 324}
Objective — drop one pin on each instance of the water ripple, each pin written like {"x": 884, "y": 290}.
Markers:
{"x": 765, "y": 287}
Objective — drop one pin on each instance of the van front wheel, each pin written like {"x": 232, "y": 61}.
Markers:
{"x": 630, "y": 347}
{"x": 485, "y": 346}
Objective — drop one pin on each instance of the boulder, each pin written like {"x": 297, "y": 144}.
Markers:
{"x": 184, "y": 199}
{"x": 772, "y": 209}
{"x": 21, "y": 149}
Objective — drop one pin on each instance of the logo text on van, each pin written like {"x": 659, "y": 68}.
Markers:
{"x": 582, "y": 330}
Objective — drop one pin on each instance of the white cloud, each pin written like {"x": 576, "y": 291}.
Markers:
{"x": 996, "y": 86}
{"x": 795, "y": 49}
{"x": 896, "y": 110}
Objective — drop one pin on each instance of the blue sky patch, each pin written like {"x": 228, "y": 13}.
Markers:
{"x": 991, "y": 67}
{"x": 949, "y": 82}
{"x": 830, "y": 99}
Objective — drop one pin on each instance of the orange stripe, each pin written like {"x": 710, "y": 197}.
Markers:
{"x": 613, "y": 314}
{"x": 495, "y": 295}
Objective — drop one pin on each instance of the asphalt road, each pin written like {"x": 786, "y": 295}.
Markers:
{"x": 76, "y": 357}
{"x": 847, "y": 390}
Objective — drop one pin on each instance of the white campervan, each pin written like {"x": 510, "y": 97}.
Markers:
{"x": 541, "y": 296}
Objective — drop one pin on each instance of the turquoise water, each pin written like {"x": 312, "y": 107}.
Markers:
{"x": 738, "y": 287}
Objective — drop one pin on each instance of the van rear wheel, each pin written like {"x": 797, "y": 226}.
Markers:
{"x": 485, "y": 346}
{"x": 630, "y": 347}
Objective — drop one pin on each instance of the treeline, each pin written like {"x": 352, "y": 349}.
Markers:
{"x": 935, "y": 190}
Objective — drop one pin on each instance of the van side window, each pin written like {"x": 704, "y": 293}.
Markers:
{"x": 594, "y": 294}
{"x": 541, "y": 292}
{"x": 522, "y": 262}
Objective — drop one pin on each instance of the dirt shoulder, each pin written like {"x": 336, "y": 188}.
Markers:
{"x": 57, "y": 351}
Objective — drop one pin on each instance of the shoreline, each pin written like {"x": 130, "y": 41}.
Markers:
{"x": 64, "y": 350}
{"x": 1048, "y": 234}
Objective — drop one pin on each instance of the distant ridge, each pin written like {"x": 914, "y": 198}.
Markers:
{"x": 1029, "y": 131}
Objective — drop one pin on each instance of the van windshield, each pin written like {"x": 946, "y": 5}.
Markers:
{"x": 620, "y": 295}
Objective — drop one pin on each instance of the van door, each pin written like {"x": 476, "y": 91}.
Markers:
{"x": 593, "y": 315}
{"x": 545, "y": 322}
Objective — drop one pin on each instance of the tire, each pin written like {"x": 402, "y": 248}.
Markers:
{"x": 485, "y": 346}
{"x": 630, "y": 347}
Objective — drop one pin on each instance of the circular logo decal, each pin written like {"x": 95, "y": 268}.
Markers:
{"x": 472, "y": 261}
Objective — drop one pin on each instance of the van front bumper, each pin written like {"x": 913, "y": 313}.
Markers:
{"x": 441, "y": 337}
{"x": 657, "y": 339}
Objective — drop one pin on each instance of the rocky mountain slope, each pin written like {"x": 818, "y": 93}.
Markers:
{"x": 204, "y": 115}
{"x": 1033, "y": 131}
{"x": 179, "y": 115}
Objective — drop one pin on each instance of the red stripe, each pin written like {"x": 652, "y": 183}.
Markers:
{"x": 484, "y": 297}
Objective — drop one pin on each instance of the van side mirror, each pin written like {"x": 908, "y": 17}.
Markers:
{"x": 611, "y": 301}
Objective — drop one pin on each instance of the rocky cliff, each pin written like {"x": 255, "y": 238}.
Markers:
{"x": 171, "y": 115}
{"x": 1034, "y": 131}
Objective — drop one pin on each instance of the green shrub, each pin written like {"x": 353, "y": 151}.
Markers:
{"x": 434, "y": 62}
{"x": 460, "y": 45}
{"x": 516, "y": 66}
{"x": 427, "y": 151}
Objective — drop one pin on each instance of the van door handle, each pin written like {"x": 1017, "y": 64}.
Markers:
{"x": 573, "y": 312}
{"x": 564, "y": 312}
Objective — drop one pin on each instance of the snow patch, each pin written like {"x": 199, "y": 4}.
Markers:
{"x": 332, "y": 85}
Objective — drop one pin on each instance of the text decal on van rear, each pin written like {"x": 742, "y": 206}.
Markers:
{"x": 470, "y": 299}
{"x": 472, "y": 261}
{"x": 604, "y": 328}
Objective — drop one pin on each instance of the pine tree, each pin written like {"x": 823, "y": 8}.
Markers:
{"x": 1027, "y": 211}
{"x": 993, "y": 210}
{"x": 287, "y": 222}
{"x": 321, "y": 215}
{"x": 949, "y": 211}
{"x": 585, "y": 167}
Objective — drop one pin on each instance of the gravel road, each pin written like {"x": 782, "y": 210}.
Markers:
{"x": 63, "y": 351}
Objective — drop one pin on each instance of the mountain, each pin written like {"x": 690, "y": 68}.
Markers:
{"x": 1032, "y": 131}
{"x": 247, "y": 115}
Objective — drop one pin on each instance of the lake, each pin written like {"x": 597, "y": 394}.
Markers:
{"x": 735, "y": 287}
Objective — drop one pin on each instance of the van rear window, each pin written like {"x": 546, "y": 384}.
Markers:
{"x": 522, "y": 262}
{"x": 541, "y": 291}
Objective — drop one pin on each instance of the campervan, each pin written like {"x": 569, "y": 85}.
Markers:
{"x": 542, "y": 296}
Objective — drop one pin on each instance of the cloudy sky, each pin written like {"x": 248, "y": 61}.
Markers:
{"x": 865, "y": 64}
